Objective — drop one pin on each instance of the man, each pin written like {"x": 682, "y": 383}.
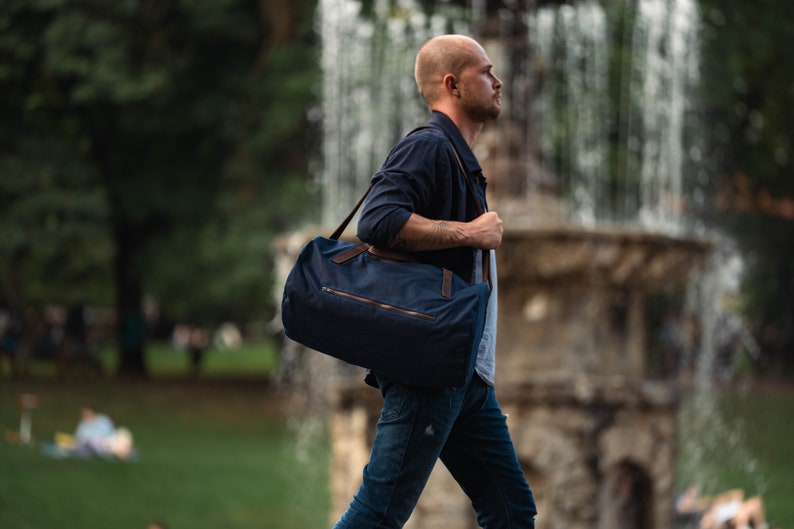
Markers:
{"x": 420, "y": 203}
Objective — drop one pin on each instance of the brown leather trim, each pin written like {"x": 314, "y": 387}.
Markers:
{"x": 446, "y": 283}
{"x": 349, "y": 254}
{"x": 392, "y": 254}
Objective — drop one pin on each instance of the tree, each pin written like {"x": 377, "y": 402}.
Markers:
{"x": 749, "y": 106}
{"x": 186, "y": 122}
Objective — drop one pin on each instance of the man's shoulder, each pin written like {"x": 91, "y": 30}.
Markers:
{"x": 423, "y": 141}
{"x": 418, "y": 146}
{"x": 426, "y": 133}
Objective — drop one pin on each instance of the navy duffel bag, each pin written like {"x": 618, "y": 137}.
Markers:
{"x": 413, "y": 322}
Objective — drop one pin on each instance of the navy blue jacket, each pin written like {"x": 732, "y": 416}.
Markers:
{"x": 422, "y": 176}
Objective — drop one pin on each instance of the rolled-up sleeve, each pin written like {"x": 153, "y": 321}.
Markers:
{"x": 406, "y": 183}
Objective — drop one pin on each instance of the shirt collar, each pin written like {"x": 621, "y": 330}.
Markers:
{"x": 443, "y": 121}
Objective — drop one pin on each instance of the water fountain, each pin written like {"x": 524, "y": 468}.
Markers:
{"x": 591, "y": 188}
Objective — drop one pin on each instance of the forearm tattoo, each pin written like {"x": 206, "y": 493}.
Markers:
{"x": 442, "y": 234}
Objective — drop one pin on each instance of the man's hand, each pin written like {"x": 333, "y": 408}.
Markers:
{"x": 421, "y": 234}
{"x": 485, "y": 231}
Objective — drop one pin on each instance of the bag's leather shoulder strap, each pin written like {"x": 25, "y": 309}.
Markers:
{"x": 341, "y": 228}
{"x": 486, "y": 255}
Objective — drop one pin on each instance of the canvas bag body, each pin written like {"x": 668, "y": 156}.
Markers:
{"x": 387, "y": 315}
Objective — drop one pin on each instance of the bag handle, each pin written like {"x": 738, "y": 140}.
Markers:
{"x": 486, "y": 261}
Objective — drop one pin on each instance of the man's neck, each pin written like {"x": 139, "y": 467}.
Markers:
{"x": 470, "y": 133}
{"x": 468, "y": 128}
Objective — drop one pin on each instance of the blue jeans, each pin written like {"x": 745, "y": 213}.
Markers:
{"x": 467, "y": 430}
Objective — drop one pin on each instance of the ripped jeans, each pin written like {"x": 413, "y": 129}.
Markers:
{"x": 467, "y": 430}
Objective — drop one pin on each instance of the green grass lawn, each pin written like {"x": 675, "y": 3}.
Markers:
{"x": 163, "y": 360}
{"x": 212, "y": 455}
{"x": 747, "y": 442}
{"x": 219, "y": 452}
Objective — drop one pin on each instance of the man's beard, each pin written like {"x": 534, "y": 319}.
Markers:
{"x": 480, "y": 112}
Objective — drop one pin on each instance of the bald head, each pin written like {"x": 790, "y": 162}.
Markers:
{"x": 446, "y": 54}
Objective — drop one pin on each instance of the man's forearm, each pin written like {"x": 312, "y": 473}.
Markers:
{"x": 422, "y": 234}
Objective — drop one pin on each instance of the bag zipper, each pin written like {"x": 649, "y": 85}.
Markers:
{"x": 381, "y": 305}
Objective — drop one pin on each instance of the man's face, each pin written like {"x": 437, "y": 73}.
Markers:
{"x": 481, "y": 94}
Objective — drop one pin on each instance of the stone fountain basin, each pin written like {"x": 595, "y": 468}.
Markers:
{"x": 572, "y": 301}
{"x": 618, "y": 257}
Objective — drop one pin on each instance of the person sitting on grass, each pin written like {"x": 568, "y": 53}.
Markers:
{"x": 731, "y": 509}
{"x": 96, "y": 435}
{"x": 728, "y": 510}
{"x": 690, "y": 506}
{"x": 93, "y": 432}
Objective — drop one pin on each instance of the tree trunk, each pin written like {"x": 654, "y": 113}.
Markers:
{"x": 131, "y": 324}
{"x": 128, "y": 239}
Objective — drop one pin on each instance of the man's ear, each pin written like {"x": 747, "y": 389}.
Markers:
{"x": 451, "y": 84}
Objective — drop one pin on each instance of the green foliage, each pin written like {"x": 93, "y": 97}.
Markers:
{"x": 749, "y": 108}
{"x": 54, "y": 241}
{"x": 169, "y": 143}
